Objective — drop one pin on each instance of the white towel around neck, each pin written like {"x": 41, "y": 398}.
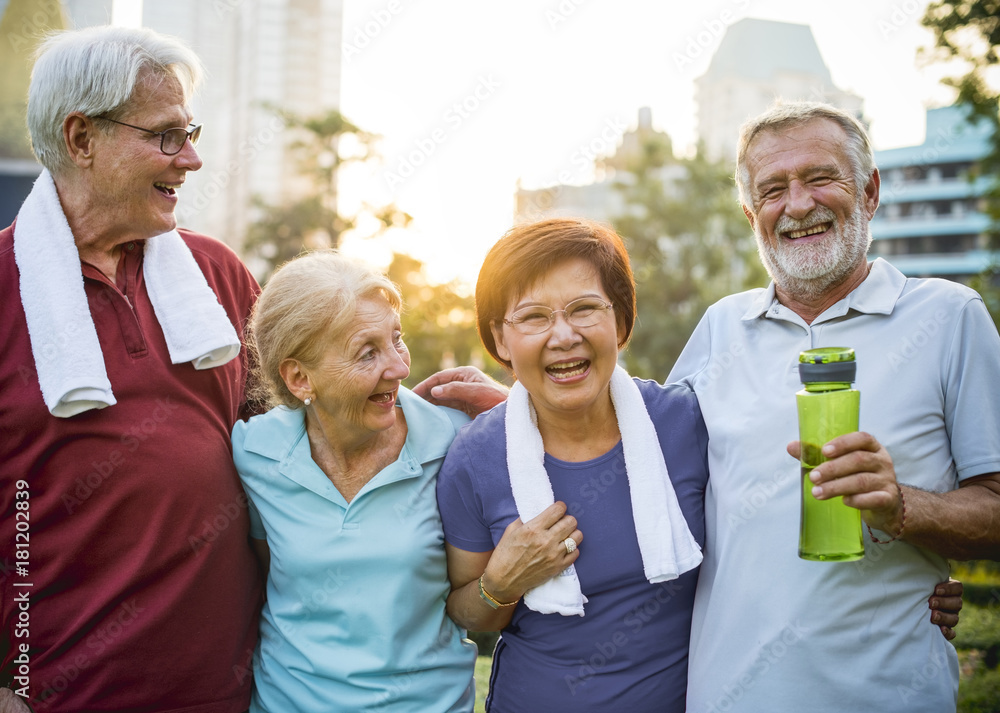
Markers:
{"x": 665, "y": 541}
{"x": 64, "y": 341}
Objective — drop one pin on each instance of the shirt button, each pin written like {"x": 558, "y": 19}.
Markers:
{"x": 130, "y": 247}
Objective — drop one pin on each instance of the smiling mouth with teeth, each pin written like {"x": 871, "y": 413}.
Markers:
{"x": 383, "y": 398}
{"x": 568, "y": 369}
{"x": 168, "y": 188}
{"x": 814, "y": 230}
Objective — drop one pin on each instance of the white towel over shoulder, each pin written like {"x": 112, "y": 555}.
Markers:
{"x": 665, "y": 541}
{"x": 64, "y": 341}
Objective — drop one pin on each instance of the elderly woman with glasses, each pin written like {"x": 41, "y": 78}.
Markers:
{"x": 573, "y": 514}
{"x": 340, "y": 478}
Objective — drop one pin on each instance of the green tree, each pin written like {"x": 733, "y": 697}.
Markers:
{"x": 438, "y": 322}
{"x": 313, "y": 221}
{"x": 966, "y": 36}
{"x": 690, "y": 245}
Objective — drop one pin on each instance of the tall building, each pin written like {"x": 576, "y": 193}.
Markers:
{"x": 930, "y": 221}
{"x": 259, "y": 55}
{"x": 757, "y": 62}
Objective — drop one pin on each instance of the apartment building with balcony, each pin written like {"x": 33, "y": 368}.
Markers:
{"x": 930, "y": 221}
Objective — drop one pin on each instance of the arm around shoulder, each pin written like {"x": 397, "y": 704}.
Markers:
{"x": 464, "y": 388}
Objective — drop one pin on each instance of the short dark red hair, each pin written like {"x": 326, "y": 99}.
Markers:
{"x": 527, "y": 252}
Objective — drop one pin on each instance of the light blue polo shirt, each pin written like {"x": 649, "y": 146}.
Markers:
{"x": 777, "y": 633}
{"x": 355, "y": 613}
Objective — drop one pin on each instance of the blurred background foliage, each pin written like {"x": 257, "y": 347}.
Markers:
{"x": 966, "y": 40}
{"x": 690, "y": 245}
{"x": 315, "y": 221}
{"x": 978, "y": 637}
{"x": 439, "y": 323}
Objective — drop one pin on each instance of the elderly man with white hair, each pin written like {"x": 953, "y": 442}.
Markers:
{"x": 129, "y": 583}
{"x": 924, "y": 471}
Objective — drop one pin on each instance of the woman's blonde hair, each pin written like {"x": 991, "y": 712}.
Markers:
{"x": 307, "y": 303}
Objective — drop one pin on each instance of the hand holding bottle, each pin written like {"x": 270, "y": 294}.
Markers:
{"x": 860, "y": 469}
{"x": 829, "y": 530}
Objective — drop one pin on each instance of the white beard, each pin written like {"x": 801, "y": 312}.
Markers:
{"x": 809, "y": 270}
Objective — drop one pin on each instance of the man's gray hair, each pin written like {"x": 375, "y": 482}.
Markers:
{"x": 95, "y": 71}
{"x": 784, "y": 115}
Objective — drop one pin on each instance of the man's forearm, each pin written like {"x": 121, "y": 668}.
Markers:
{"x": 961, "y": 524}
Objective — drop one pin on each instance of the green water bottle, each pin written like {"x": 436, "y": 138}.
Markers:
{"x": 829, "y": 531}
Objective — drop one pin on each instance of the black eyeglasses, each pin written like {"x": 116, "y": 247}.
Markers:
{"x": 171, "y": 140}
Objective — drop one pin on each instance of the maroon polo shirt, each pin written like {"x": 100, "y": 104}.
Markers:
{"x": 144, "y": 591}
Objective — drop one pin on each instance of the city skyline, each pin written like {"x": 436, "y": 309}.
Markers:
{"x": 558, "y": 82}
{"x": 473, "y": 101}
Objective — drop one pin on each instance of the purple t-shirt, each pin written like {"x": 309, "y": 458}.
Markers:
{"x": 629, "y": 651}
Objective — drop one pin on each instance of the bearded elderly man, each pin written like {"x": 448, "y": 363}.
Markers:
{"x": 129, "y": 583}
{"x": 836, "y": 636}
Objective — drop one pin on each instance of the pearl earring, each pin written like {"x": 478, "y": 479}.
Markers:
{"x": 307, "y": 400}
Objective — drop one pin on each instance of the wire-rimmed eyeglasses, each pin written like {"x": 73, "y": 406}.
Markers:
{"x": 535, "y": 319}
{"x": 171, "y": 140}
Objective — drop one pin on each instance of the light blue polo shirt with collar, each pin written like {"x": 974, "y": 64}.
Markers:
{"x": 355, "y": 612}
{"x": 772, "y": 631}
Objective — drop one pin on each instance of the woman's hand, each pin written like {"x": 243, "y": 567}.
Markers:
{"x": 531, "y": 553}
{"x": 527, "y": 555}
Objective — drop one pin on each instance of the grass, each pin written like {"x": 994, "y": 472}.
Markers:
{"x": 978, "y": 638}
{"x": 482, "y": 682}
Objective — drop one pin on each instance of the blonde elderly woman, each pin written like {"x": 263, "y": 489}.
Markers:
{"x": 340, "y": 476}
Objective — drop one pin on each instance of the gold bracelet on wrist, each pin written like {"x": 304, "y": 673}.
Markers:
{"x": 489, "y": 599}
